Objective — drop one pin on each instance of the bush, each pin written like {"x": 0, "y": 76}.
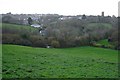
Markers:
{"x": 37, "y": 41}
{"x": 25, "y": 36}
{"x": 110, "y": 46}
{"x": 10, "y": 38}
{"x": 97, "y": 45}
{"x": 55, "y": 44}
{"x": 15, "y": 39}
{"x": 62, "y": 43}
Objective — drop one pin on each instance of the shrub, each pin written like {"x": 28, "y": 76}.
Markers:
{"x": 55, "y": 44}
{"x": 15, "y": 39}
{"x": 37, "y": 41}
{"x": 97, "y": 45}
{"x": 110, "y": 46}
{"x": 62, "y": 43}
{"x": 25, "y": 36}
{"x": 50, "y": 39}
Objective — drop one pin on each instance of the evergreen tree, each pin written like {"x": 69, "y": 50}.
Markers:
{"x": 30, "y": 21}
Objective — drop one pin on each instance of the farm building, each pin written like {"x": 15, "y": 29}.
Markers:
{"x": 36, "y": 25}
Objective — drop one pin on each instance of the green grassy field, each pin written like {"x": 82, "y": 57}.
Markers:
{"x": 80, "y": 62}
{"x": 0, "y": 61}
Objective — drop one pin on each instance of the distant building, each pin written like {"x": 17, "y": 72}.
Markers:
{"x": 65, "y": 18}
{"x": 43, "y": 32}
{"x": 36, "y": 25}
{"x": 103, "y": 14}
{"x": 79, "y": 18}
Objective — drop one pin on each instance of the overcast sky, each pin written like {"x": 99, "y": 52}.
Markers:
{"x": 63, "y": 7}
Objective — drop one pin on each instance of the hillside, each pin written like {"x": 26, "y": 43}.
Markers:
{"x": 87, "y": 62}
{"x": 71, "y": 33}
{"x": 102, "y": 25}
{"x": 18, "y": 28}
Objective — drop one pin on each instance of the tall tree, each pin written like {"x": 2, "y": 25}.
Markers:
{"x": 84, "y": 16}
{"x": 30, "y": 21}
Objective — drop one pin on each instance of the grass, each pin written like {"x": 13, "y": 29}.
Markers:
{"x": 104, "y": 42}
{"x": 18, "y": 28}
{"x": 80, "y": 62}
{"x": 0, "y": 61}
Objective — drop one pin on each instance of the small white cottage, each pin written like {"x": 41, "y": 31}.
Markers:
{"x": 36, "y": 25}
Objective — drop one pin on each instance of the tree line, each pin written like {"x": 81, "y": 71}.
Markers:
{"x": 63, "y": 33}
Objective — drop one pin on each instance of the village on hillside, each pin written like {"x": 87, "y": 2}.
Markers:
{"x": 42, "y": 19}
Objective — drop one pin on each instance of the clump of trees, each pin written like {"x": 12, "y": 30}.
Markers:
{"x": 55, "y": 44}
{"x": 10, "y": 19}
{"x": 62, "y": 33}
{"x": 23, "y": 35}
{"x": 71, "y": 33}
{"x": 115, "y": 39}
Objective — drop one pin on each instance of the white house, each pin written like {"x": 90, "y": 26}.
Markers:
{"x": 36, "y": 25}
